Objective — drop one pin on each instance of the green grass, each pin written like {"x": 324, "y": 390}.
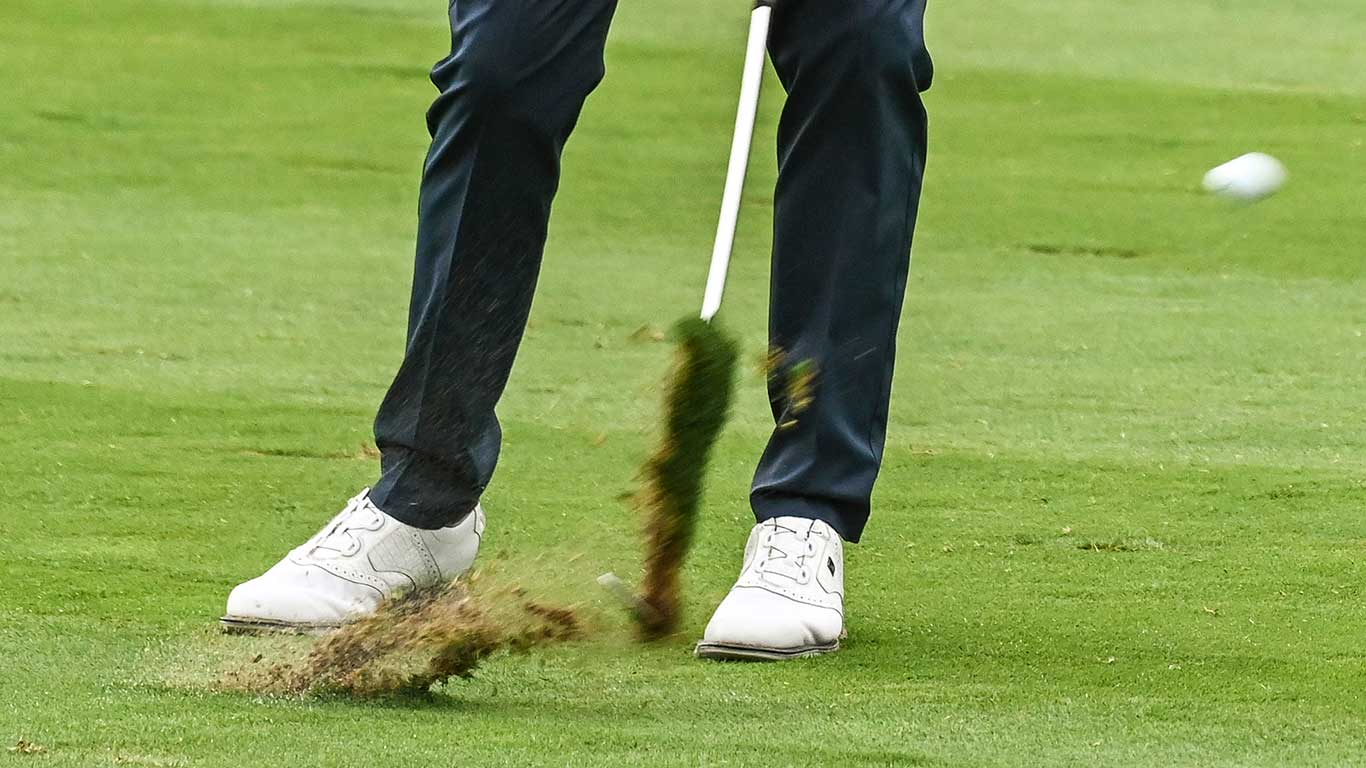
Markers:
{"x": 1120, "y": 521}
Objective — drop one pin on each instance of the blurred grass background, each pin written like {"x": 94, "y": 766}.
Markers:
{"x": 1120, "y": 519}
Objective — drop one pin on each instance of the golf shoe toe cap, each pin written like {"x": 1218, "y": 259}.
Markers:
{"x": 298, "y": 596}
{"x": 756, "y": 618}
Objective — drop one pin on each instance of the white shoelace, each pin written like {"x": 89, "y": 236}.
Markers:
{"x": 783, "y": 551}
{"x": 338, "y": 538}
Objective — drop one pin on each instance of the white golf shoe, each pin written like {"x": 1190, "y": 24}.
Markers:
{"x": 789, "y": 600}
{"x": 349, "y": 567}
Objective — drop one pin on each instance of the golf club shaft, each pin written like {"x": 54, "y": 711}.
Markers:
{"x": 750, "y": 84}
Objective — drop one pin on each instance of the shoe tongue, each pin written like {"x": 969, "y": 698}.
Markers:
{"x": 329, "y": 548}
{"x": 783, "y": 554}
{"x": 338, "y": 539}
{"x": 788, "y": 539}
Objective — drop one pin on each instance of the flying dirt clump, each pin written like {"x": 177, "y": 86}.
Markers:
{"x": 791, "y": 383}
{"x": 417, "y": 641}
{"x": 697, "y": 402}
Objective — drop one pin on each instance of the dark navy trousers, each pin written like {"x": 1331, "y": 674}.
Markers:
{"x": 851, "y": 147}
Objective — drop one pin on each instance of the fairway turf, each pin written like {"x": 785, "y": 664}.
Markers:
{"x": 1121, "y": 516}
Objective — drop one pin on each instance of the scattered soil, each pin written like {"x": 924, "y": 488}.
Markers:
{"x": 415, "y": 642}
{"x": 23, "y": 747}
{"x": 792, "y": 381}
{"x": 697, "y": 402}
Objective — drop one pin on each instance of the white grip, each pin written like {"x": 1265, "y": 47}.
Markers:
{"x": 753, "y": 78}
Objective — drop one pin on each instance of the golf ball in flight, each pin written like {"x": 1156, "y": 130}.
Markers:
{"x": 1250, "y": 177}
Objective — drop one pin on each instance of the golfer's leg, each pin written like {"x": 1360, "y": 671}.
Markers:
{"x": 511, "y": 91}
{"x": 851, "y": 156}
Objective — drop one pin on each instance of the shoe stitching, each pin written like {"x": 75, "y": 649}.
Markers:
{"x": 793, "y": 597}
